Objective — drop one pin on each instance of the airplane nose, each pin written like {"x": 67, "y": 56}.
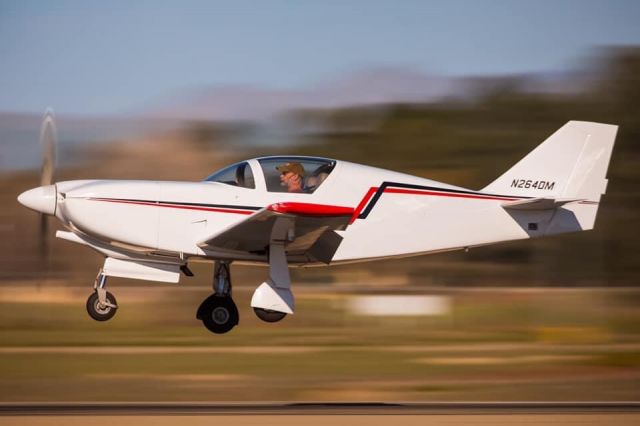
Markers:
{"x": 41, "y": 199}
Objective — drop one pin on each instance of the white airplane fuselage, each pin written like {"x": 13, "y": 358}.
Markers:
{"x": 411, "y": 215}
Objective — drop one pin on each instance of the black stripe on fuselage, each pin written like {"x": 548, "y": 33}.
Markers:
{"x": 386, "y": 185}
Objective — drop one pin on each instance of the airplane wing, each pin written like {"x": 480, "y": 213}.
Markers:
{"x": 539, "y": 203}
{"x": 310, "y": 230}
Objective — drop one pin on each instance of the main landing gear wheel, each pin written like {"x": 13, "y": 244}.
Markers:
{"x": 218, "y": 313}
{"x": 99, "y": 311}
{"x": 267, "y": 315}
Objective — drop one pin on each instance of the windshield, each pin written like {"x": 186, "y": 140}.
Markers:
{"x": 295, "y": 174}
{"x": 238, "y": 174}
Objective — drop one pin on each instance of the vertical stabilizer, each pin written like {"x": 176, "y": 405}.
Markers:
{"x": 571, "y": 163}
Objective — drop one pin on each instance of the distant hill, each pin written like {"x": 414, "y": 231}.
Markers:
{"x": 377, "y": 86}
{"x": 364, "y": 87}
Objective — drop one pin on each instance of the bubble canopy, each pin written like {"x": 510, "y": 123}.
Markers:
{"x": 312, "y": 170}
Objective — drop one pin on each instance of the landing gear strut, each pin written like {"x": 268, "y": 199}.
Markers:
{"x": 218, "y": 312}
{"x": 273, "y": 299}
{"x": 101, "y": 305}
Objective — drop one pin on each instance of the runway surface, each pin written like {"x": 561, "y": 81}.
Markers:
{"x": 336, "y": 414}
{"x": 313, "y": 408}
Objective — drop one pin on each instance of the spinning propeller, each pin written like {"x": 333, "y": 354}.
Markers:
{"x": 43, "y": 199}
{"x": 48, "y": 143}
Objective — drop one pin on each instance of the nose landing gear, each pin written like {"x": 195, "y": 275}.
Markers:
{"x": 101, "y": 305}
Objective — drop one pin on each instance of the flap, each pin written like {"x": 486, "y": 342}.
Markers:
{"x": 539, "y": 203}
{"x": 309, "y": 222}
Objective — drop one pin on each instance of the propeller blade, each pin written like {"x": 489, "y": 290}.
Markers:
{"x": 48, "y": 143}
{"x": 44, "y": 236}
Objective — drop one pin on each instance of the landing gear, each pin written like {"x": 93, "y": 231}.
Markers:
{"x": 268, "y": 315}
{"x": 101, "y": 305}
{"x": 218, "y": 312}
{"x": 273, "y": 299}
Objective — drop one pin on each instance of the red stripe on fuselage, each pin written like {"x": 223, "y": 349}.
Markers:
{"x": 207, "y": 209}
{"x": 363, "y": 203}
{"x": 371, "y": 192}
{"x": 317, "y": 209}
{"x": 175, "y": 206}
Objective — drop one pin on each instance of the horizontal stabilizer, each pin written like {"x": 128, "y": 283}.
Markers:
{"x": 539, "y": 203}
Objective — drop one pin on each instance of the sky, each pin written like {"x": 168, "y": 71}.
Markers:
{"x": 113, "y": 57}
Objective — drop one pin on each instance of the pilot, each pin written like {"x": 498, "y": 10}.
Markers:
{"x": 291, "y": 175}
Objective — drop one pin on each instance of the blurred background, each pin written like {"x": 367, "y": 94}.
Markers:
{"x": 454, "y": 91}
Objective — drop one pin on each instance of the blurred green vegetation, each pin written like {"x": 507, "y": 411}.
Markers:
{"x": 502, "y": 344}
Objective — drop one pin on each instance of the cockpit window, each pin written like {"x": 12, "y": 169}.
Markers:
{"x": 295, "y": 174}
{"x": 238, "y": 174}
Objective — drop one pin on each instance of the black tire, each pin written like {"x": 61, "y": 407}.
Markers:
{"x": 219, "y": 314}
{"x": 98, "y": 313}
{"x": 267, "y": 315}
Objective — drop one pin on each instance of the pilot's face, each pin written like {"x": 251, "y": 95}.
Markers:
{"x": 285, "y": 178}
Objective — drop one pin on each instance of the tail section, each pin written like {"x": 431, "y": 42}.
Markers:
{"x": 570, "y": 165}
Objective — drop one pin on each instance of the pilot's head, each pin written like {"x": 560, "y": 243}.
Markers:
{"x": 291, "y": 176}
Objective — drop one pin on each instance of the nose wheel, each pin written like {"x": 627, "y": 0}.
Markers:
{"x": 101, "y": 305}
{"x": 100, "y": 311}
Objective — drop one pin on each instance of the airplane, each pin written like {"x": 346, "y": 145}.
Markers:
{"x": 342, "y": 212}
